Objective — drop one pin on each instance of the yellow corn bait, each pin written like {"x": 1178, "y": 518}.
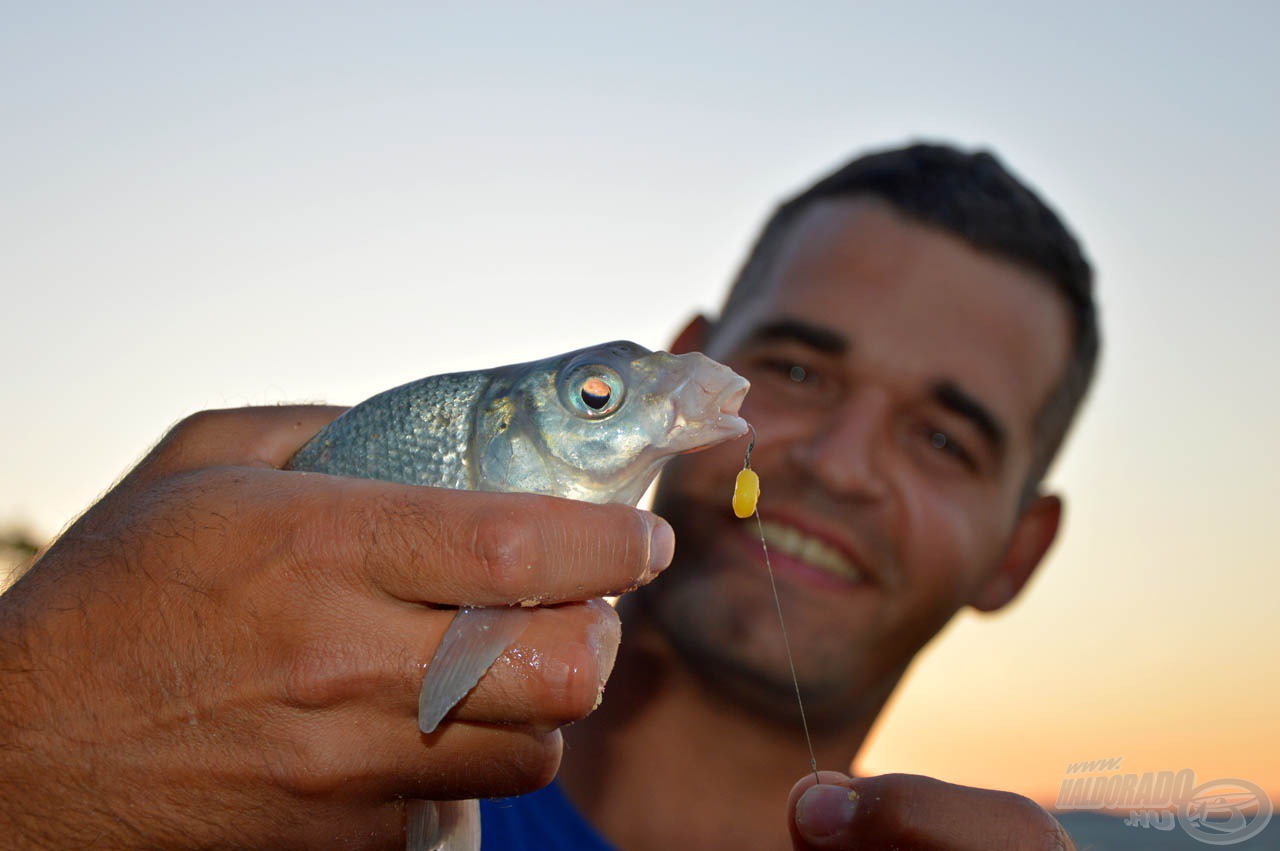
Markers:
{"x": 746, "y": 491}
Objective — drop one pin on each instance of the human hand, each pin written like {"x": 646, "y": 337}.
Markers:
{"x": 907, "y": 811}
{"x": 221, "y": 653}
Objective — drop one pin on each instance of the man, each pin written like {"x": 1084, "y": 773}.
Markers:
{"x": 222, "y": 654}
{"x": 918, "y": 329}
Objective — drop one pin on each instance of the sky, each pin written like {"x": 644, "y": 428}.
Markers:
{"x": 254, "y": 203}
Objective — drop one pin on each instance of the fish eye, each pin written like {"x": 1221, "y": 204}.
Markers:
{"x": 594, "y": 391}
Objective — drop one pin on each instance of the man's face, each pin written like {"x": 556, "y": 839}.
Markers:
{"x": 896, "y": 374}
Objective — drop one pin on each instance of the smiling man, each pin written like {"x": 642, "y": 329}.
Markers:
{"x": 919, "y": 330}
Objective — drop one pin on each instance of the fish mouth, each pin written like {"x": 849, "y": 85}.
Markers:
{"x": 705, "y": 409}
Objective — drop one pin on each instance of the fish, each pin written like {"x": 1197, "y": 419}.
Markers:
{"x": 596, "y": 424}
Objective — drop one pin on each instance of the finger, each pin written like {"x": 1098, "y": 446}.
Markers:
{"x": 343, "y": 755}
{"x": 385, "y": 826}
{"x": 910, "y": 811}
{"x": 357, "y": 827}
{"x": 484, "y": 761}
{"x": 463, "y": 548}
{"x": 552, "y": 675}
{"x": 820, "y": 813}
{"x": 264, "y": 436}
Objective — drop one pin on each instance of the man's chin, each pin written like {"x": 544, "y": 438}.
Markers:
{"x": 734, "y": 650}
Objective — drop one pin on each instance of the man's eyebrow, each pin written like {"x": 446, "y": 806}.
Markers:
{"x": 953, "y": 398}
{"x": 814, "y": 336}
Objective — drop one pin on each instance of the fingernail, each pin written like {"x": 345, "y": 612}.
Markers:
{"x": 662, "y": 544}
{"x": 824, "y": 811}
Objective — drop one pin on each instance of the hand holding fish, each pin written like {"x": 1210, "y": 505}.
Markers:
{"x": 224, "y": 653}
{"x": 904, "y": 811}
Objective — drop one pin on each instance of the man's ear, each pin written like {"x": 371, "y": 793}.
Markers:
{"x": 693, "y": 337}
{"x": 1034, "y": 534}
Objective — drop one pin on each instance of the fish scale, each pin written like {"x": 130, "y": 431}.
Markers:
{"x": 416, "y": 434}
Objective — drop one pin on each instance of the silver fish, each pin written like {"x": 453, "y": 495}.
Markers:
{"x": 596, "y": 424}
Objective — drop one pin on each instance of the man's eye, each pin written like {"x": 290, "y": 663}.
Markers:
{"x": 789, "y": 368}
{"x": 948, "y": 445}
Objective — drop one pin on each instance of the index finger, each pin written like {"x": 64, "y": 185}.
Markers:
{"x": 256, "y": 437}
{"x": 467, "y": 548}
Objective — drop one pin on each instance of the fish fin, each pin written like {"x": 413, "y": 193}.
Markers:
{"x": 421, "y": 824}
{"x": 473, "y": 642}
{"x": 442, "y": 825}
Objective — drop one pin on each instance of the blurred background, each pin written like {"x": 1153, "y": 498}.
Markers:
{"x": 256, "y": 203}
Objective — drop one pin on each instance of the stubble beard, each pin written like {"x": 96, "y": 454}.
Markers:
{"x": 723, "y": 625}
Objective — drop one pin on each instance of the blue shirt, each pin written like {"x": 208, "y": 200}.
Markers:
{"x": 541, "y": 821}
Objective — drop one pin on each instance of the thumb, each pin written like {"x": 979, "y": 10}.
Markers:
{"x": 821, "y": 811}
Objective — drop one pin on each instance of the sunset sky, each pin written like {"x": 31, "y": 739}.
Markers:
{"x": 225, "y": 205}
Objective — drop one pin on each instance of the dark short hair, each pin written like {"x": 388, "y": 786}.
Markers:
{"x": 974, "y": 197}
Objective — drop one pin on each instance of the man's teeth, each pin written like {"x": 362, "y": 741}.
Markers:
{"x": 791, "y": 541}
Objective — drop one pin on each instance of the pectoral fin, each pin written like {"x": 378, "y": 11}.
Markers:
{"x": 473, "y": 642}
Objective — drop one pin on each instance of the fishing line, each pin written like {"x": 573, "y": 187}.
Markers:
{"x": 746, "y": 496}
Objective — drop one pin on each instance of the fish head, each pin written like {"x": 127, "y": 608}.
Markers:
{"x": 598, "y": 424}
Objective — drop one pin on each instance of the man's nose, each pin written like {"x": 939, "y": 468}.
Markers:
{"x": 840, "y": 451}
